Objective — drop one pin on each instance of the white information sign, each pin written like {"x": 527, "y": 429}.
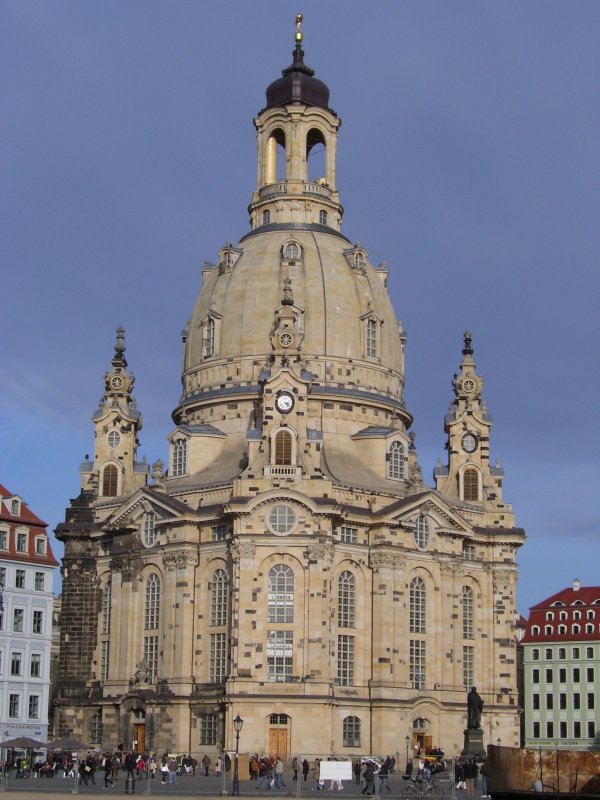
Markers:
{"x": 336, "y": 771}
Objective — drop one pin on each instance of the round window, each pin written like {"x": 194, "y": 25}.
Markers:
{"x": 281, "y": 520}
{"x": 114, "y": 439}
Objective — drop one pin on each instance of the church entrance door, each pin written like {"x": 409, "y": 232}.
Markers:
{"x": 139, "y": 736}
{"x": 278, "y": 742}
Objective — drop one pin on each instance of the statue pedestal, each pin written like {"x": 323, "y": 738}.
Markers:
{"x": 473, "y": 747}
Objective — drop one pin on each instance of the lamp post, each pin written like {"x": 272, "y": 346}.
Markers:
{"x": 237, "y": 727}
{"x": 407, "y": 740}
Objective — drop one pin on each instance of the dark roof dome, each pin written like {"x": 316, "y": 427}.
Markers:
{"x": 298, "y": 85}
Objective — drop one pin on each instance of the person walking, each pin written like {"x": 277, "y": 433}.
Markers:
{"x": 279, "y": 782}
{"x": 305, "y": 768}
{"x": 206, "y": 764}
{"x": 295, "y": 768}
{"x": 369, "y": 779}
{"x": 384, "y": 771}
{"x": 108, "y": 766}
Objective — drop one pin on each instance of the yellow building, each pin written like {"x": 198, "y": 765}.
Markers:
{"x": 289, "y": 564}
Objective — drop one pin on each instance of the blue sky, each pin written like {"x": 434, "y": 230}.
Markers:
{"x": 469, "y": 159}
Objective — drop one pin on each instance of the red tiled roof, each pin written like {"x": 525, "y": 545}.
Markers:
{"x": 567, "y": 603}
{"x": 26, "y": 519}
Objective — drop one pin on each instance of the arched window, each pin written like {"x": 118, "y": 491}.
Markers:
{"x": 208, "y": 343}
{"x": 396, "y": 460}
{"x": 218, "y": 602}
{"x": 417, "y": 605}
{"x": 421, "y": 532}
{"x": 346, "y": 600}
{"x": 114, "y": 439}
{"x": 562, "y": 629}
{"x": 323, "y": 217}
{"x": 291, "y": 252}
{"x": 110, "y": 481}
{"x": 266, "y": 217}
{"x": 283, "y": 447}
{"x": 548, "y": 630}
{"x": 535, "y": 630}
{"x": 467, "y": 612}
{"x": 575, "y": 628}
{"x": 351, "y": 731}
{"x": 152, "y": 610}
{"x": 281, "y": 594}
{"x": 179, "y": 457}
{"x": 470, "y": 484}
{"x": 106, "y": 604}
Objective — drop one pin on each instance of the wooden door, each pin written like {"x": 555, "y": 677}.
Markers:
{"x": 139, "y": 734}
{"x": 278, "y": 742}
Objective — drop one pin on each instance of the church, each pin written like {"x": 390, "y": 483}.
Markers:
{"x": 288, "y": 563}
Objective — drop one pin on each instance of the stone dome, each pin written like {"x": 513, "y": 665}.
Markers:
{"x": 330, "y": 294}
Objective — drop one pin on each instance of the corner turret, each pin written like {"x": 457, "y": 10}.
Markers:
{"x": 468, "y": 475}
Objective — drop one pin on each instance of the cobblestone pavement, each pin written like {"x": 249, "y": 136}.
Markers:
{"x": 197, "y": 785}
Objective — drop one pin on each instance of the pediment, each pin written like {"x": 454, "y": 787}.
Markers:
{"x": 140, "y": 503}
{"x": 430, "y": 504}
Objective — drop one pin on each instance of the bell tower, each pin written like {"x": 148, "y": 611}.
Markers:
{"x": 117, "y": 421}
{"x": 296, "y": 122}
{"x": 468, "y": 475}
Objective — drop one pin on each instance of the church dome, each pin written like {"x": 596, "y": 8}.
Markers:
{"x": 298, "y": 85}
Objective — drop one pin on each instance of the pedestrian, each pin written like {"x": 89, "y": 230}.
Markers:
{"x": 484, "y": 772}
{"x": 108, "y": 766}
{"x": 172, "y": 763}
{"x": 164, "y": 769}
{"x": 279, "y": 782}
{"x": 356, "y": 770}
{"x": 316, "y": 774}
{"x": 384, "y": 771}
{"x": 206, "y": 764}
{"x": 305, "y": 768}
{"x": 295, "y": 768}
{"x": 369, "y": 779}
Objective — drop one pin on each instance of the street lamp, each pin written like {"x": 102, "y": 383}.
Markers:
{"x": 237, "y": 727}
{"x": 407, "y": 740}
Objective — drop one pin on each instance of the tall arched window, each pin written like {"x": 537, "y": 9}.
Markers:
{"x": 218, "y": 602}
{"x": 281, "y": 594}
{"x": 421, "y": 532}
{"x": 179, "y": 457}
{"x": 283, "y": 447}
{"x": 346, "y": 600}
{"x": 467, "y": 612}
{"x": 110, "y": 481}
{"x": 152, "y": 610}
{"x": 471, "y": 484}
{"x": 417, "y": 605}
{"x": 396, "y": 460}
{"x": 150, "y": 528}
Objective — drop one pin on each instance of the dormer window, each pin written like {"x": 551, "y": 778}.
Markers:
{"x": 359, "y": 259}
{"x": 208, "y": 341}
{"x": 15, "y": 507}
{"x": 371, "y": 338}
{"x": 535, "y": 630}
{"x": 548, "y": 630}
{"x": 21, "y": 542}
{"x": 396, "y": 461}
{"x": 179, "y": 457}
{"x": 549, "y": 616}
{"x": 562, "y": 629}
{"x": 40, "y": 546}
{"x": 577, "y": 615}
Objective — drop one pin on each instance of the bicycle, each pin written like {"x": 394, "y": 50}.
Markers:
{"x": 415, "y": 788}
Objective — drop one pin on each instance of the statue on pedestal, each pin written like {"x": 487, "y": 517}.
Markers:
{"x": 474, "y": 709}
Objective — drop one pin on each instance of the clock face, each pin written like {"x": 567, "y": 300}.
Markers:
{"x": 468, "y": 385}
{"x": 116, "y": 382}
{"x": 284, "y": 402}
{"x": 469, "y": 443}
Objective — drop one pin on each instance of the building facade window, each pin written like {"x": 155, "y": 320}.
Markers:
{"x": 322, "y": 217}
{"x": 348, "y": 535}
{"x": 35, "y": 665}
{"x": 106, "y": 606}
{"x": 18, "y": 619}
{"x": 2, "y": 576}
{"x": 346, "y": 600}
{"x": 13, "y": 705}
{"x": 110, "y": 481}
{"x": 283, "y": 448}
{"x": 19, "y": 579}
{"x": 21, "y": 542}
{"x": 396, "y": 461}
{"x": 468, "y": 666}
{"x": 417, "y": 663}
{"x": 208, "y": 729}
{"x": 15, "y": 663}
{"x": 351, "y": 731}
{"x": 96, "y": 728}
{"x": 150, "y": 528}
{"x": 179, "y": 460}
{"x": 421, "y": 532}
{"x": 104, "y": 657}
{"x": 151, "y": 658}
{"x": 33, "y": 711}
{"x": 40, "y": 546}
{"x": 470, "y": 484}
{"x": 371, "y": 338}
{"x": 39, "y": 582}
{"x": 281, "y": 519}
{"x": 218, "y": 658}
{"x": 218, "y": 533}
{"x": 266, "y": 217}
{"x": 291, "y": 252}
{"x": 37, "y": 622}
{"x": 152, "y": 604}
{"x": 417, "y": 606}
{"x": 218, "y": 599}
{"x": 468, "y": 551}
{"x": 280, "y": 594}
{"x": 3, "y": 540}
{"x": 467, "y": 613}
{"x": 345, "y": 660}
{"x": 114, "y": 440}
{"x": 209, "y": 337}
{"x": 279, "y": 656}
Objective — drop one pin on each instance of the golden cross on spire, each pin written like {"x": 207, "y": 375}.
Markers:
{"x": 298, "y": 36}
